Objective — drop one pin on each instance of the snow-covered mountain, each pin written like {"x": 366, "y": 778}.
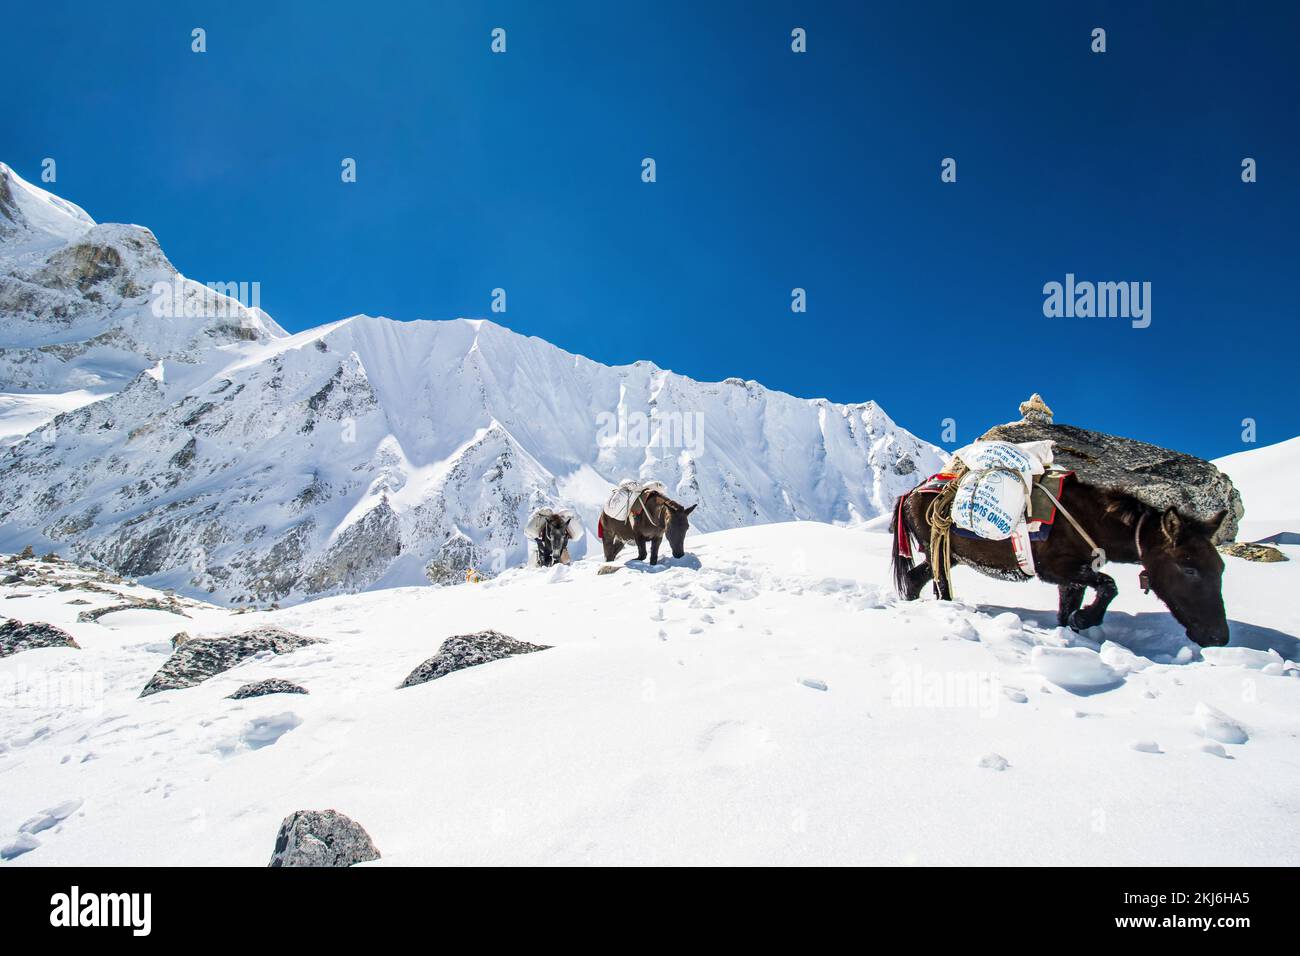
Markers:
{"x": 247, "y": 464}
{"x": 85, "y": 307}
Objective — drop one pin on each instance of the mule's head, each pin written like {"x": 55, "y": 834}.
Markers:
{"x": 1186, "y": 573}
{"x": 678, "y": 522}
{"x": 550, "y": 546}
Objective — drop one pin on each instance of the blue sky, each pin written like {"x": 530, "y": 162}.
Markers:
{"x": 775, "y": 170}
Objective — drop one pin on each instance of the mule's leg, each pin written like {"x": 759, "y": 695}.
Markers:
{"x": 917, "y": 579}
{"x": 1106, "y": 589}
{"x": 1071, "y": 600}
{"x": 654, "y": 550}
{"x": 640, "y": 548}
{"x": 612, "y": 546}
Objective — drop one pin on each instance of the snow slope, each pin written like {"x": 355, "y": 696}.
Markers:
{"x": 1261, "y": 475}
{"x": 764, "y": 700}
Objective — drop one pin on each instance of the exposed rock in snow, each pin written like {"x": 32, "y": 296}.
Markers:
{"x": 1253, "y": 552}
{"x": 171, "y": 605}
{"x": 16, "y": 636}
{"x": 322, "y": 838}
{"x": 1157, "y": 476}
{"x": 202, "y": 657}
{"x": 468, "y": 650}
{"x": 272, "y": 685}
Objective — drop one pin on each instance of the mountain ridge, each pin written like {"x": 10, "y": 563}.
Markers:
{"x": 254, "y": 465}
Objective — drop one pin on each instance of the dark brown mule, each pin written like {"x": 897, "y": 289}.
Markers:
{"x": 1182, "y": 565}
{"x": 659, "y": 516}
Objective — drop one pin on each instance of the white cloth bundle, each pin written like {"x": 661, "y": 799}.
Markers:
{"x": 990, "y": 502}
{"x": 621, "y": 500}
{"x": 537, "y": 521}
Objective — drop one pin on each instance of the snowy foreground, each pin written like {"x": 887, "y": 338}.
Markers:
{"x": 763, "y": 700}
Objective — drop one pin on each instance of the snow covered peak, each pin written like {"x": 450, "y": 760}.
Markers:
{"x": 84, "y": 307}
{"x": 30, "y": 215}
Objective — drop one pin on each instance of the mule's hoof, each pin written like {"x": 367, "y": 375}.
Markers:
{"x": 1078, "y": 623}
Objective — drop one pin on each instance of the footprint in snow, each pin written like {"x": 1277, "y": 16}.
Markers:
{"x": 51, "y": 816}
{"x": 1146, "y": 747}
{"x": 992, "y": 761}
{"x": 1079, "y": 670}
{"x": 1216, "y": 725}
{"x": 734, "y": 743}
{"x": 20, "y": 844}
{"x": 963, "y": 630}
{"x": 258, "y": 733}
{"x": 1215, "y": 749}
{"x": 814, "y": 683}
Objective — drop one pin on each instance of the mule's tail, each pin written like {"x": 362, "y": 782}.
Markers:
{"x": 901, "y": 547}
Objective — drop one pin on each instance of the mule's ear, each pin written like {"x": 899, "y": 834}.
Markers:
{"x": 1171, "y": 525}
{"x": 691, "y": 508}
{"x": 1215, "y": 523}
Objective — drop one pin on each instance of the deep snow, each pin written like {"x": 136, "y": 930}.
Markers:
{"x": 763, "y": 700}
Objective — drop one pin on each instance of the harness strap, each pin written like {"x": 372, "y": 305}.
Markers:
{"x": 640, "y": 500}
{"x": 1096, "y": 551}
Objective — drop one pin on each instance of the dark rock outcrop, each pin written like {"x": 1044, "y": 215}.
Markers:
{"x": 202, "y": 657}
{"x": 16, "y": 636}
{"x": 272, "y": 685}
{"x": 1158, "y": 477}
{"x": 322, "y": 838}
{"x": 1253, "y": 552}
{"x": 170, "y": 605}
{"x": 468, "y": 650}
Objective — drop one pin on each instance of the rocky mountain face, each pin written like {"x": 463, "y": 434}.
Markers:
{"x": 85, "y": 307}
{"x": 245, "y": 464}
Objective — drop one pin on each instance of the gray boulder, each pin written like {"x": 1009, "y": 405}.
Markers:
{"x": 322, "y": 838}
{"x": 202, "y": 657}
{"x": 16, "y": 636}
{"x": 468, "y": 650}
{"x": 272, "y": 685}
{"x": 1158, "y": 477}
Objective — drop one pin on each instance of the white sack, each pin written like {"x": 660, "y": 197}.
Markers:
{"x": 990, "y": 503}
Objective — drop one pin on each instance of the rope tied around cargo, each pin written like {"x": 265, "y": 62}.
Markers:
{"x": 939, "y": 516}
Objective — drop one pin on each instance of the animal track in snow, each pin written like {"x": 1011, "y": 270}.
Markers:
{"x": 1216, "y": 725}
{"x": 51, "y": 816}
{"x": 734, "y": 743}
{"x": 258, "y": 733}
